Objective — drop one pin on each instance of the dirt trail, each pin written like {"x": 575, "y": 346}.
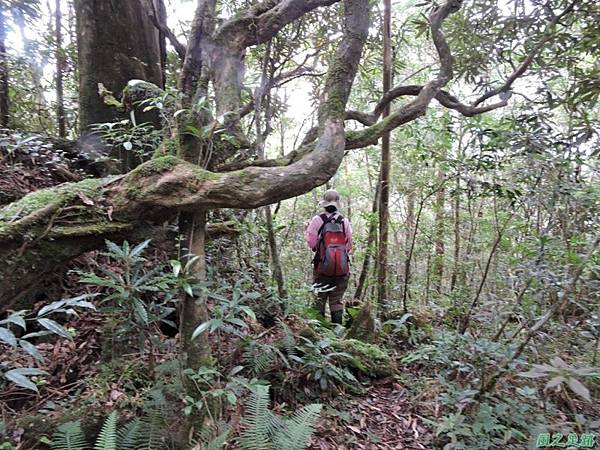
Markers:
{"x": 381, "y": 419}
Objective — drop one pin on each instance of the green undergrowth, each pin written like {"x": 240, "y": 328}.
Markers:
{"x": 370, "y": 359}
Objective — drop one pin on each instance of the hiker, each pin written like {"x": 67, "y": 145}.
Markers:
{"x": 329, "y": 235}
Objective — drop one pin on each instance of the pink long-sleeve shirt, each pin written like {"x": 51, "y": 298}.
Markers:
{"x": 311, "y": 232}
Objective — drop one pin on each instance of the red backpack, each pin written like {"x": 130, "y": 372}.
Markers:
{"x": 331, "y": 258}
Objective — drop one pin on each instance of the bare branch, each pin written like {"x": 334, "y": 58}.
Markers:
{"x": 443, "y": 97}
{"x": 163, "y": 28}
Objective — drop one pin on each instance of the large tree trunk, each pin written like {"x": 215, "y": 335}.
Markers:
{"x": 384, "y": 193}
{"x": 60, "y": 63}
{"x": 196, "y": 353}
{"x": 4, "y": 112}
{"x": 116, "y": 42}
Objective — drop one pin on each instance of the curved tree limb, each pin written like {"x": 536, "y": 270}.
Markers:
{"x": 265, "y": 20}
{"x": 407, "y": 113}
{"x": 443, "y": 97}
{"x": 450, "y": 101}
{"x": 520, "y": 70}
{"x": 428, "y": 92}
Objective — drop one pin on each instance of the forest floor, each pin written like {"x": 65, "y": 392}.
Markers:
{"x": 383, "y": 418}
{"x": 385, "y": 415}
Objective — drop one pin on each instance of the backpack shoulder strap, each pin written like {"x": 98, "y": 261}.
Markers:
{"x": 324, "y": 219}
{"x": 340, "y": 220}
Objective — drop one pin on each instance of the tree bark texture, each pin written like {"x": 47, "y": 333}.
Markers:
{"x": 4, "y": 100}
{"x": 60, "y": 63}
{"x": 371, "y": 237}
{"x": 116, "y": 42}
{"x": 384, "y": 178}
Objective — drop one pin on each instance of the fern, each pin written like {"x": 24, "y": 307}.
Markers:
{"x": 139, "y": 434}
{"x": 258, "y": 357}
{"x": 288, "y": 341}
{"x": 129, "y": 435}
{"x": 264, "y": 430}
{"x": 69, "y": 436}
{"x": 150, "y": 432}
{"x": 211, "y": 431}
{"x": 217, "y": 442}
{"x": 107, "y": 439}
{"x": 297, "y": 430}
{"x": 258, "y": 424}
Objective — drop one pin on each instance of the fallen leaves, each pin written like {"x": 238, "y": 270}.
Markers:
{"x": 381, "y": 419}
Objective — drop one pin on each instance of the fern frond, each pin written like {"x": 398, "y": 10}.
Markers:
{"x": 298, "y": 429}
{"x": 258, "y": 358}
{"x": 288, "y": 341}
{"x": 129, "y": 435}
{"x": 150, "y": 432}
{"x": 69, "y": 436}
{"x": 258, "y": 423}
{"x": 107, "y": 439}
{"x": 216, "y": 443}
{"x": 210, "y": 431}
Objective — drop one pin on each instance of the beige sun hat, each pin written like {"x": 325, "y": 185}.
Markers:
{"x": 331, "y": 197}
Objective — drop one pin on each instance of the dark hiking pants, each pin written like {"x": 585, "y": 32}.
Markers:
{"x": 330, "y": 289}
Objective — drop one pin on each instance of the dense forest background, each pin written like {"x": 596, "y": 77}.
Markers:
{"x": 160, "y": 160}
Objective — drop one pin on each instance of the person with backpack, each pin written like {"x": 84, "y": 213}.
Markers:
{"x": 329, "y": 235}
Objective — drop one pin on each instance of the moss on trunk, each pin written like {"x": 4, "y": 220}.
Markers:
{"x": 363, "y": 325}
{"x": 369, "y": 359}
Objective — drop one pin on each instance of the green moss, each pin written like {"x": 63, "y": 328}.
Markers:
{"x": 203, "y": 175}
{"x": 200, "y": 177}
{"x": 155, "y": 165}
{"x": 363, "y": 325}
{"x": 136, "y": 190}
{"x": 336, "y": 106}
{"x": 139, "y": 90}
{"x": 244, "y": 175}
{"x": 370, "y": 359}
{"x": 58, "y": 195}
{"x": 368, "y": 134}
{"x": 171, "y": 147}
{"x": 89, "y": 229}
